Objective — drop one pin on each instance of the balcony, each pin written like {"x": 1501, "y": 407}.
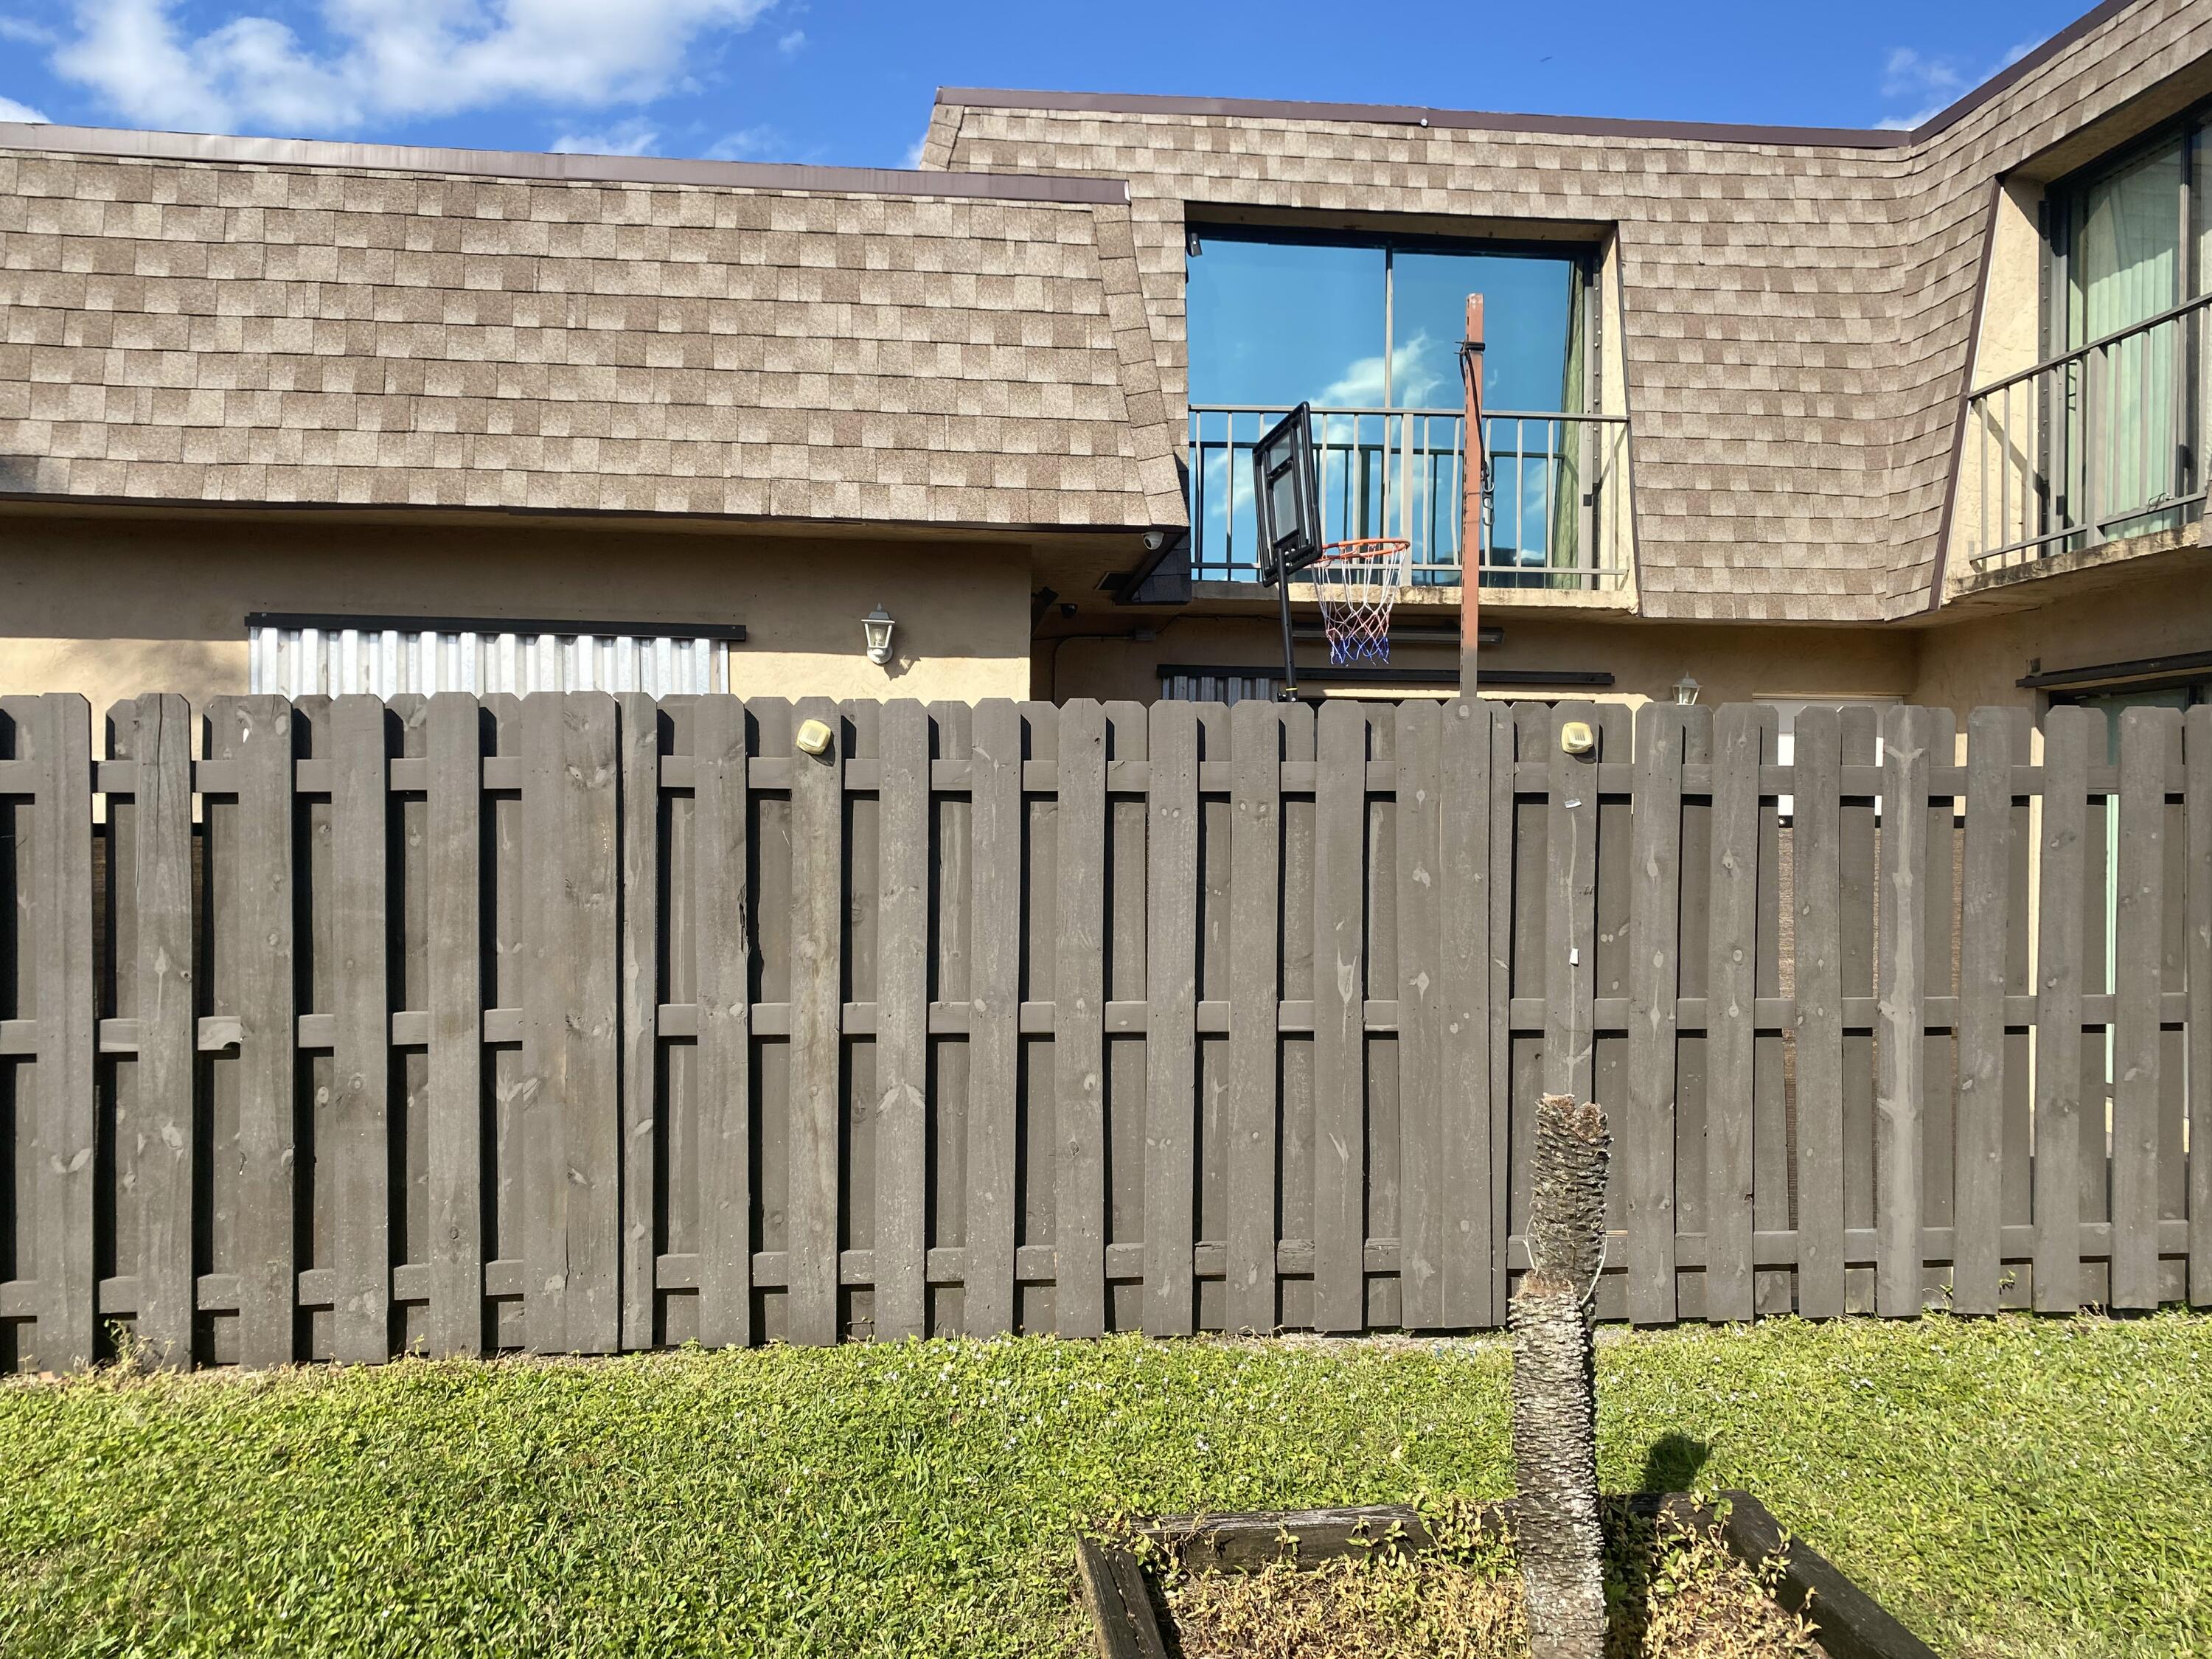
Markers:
{"x": 1554, "y": 510}
{"x": 2095, "y": 446}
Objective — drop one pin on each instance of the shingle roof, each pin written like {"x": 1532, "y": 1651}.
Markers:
{"x": 246, "y": 320}
{"x": 1796, "y": 305}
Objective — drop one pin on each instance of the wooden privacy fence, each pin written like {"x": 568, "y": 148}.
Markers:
{"x": 580, "y": 1022}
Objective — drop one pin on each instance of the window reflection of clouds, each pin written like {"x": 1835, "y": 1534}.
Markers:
{"x": 1351, "y": 326}
{"x": 1277, "y": 323}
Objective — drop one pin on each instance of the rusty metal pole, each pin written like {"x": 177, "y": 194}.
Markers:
{"x": 1472, "y": 467}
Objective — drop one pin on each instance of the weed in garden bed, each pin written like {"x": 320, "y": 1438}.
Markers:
{"x": 1671, "y": 1591}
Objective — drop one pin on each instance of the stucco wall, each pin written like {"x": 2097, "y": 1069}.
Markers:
{"x": 1969, "y": 664}
{"x": 1645, "y": 659}
{"x": 112, "y": 607}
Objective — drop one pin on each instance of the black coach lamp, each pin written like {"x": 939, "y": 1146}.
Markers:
{"x": 1686, "y": 691}
{"x": 877, "y": 627}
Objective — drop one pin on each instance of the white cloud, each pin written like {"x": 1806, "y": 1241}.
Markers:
{"x": 1413, "y": 376}
{"x": 387, "y": 58}
{"x": 22, "y": 28}
{"x": 12, "y": 111}
{"x": 1934, "y": 84}
{"x": 789, "y": 45}
{"x": 915, "y": 150}
{"x": 635, "y": 137}
{"x": 747, "y": 144}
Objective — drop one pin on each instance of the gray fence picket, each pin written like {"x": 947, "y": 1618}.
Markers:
{"x": 255, "y": 734}
{"x": 2149, "y": 742}
{"x": 722, "y": 1064}
{"x": 1900, "y": 1012}
{"x": 1463, "y": 1010}
{"x": 156, "y": 733}
{"x": 638, "y": 718}
{"x": 1079, "y": 1231}
{"x": 1422, "y": 1107}
{"x": 455, "y": 907}
{"x": 1340, "y": 1018}
{"x": 2197, "y": 754}
{"x": 994, "y": 1042}
{"x": 1570, "y": 915}
{"x": 902, "y": 1025}
{"x": 54, "y": 735}
{"x": 818, "y": 867}
{"x": 570, "y": 817}
{"x": 1983, "y": 970}
{"x": 1730, "y": 990}
{"x": 358, "y": 1137}
{"x": 2067, "y": 735}
{"x": 1774, "y": 1289}
{"x": 1816, "y": 848}
{"x": 1172, "y": 1011}
{"x": 1255, "y": 1047}
{"x": 1504, "y": 742}
{"x": 1646, "y": 1133}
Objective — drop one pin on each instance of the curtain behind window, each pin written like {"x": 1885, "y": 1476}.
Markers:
{"x": 2127, "y": 267}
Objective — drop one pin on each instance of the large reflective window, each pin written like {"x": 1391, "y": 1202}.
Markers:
{"x": 1367, "y": 330}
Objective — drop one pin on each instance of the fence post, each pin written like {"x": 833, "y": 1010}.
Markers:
{"x": 64, "y": 1126}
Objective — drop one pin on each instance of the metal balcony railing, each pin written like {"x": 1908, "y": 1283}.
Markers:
{"x": 1555, "y": 511}
{"x": 2095, "y": 443}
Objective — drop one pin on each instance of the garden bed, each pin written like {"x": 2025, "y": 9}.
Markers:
{"x": 1686, "y": 1579}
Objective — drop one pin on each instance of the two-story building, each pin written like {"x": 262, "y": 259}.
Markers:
{"x": 1797, "y": 413}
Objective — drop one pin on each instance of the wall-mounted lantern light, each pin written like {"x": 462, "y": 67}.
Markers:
{"x": 876, "y": 627}
{"x": 1685, "y": 690}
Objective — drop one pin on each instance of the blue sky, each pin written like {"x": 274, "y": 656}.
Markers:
{"x": 847, "y": 81}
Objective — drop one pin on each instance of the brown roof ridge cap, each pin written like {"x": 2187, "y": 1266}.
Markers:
{"x": 547, "y": 168}
{"x": 1592, "y": 125}
{"x": 1138, "y": 103}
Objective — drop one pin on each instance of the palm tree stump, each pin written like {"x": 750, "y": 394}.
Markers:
{"x": 1560, "y": 1548}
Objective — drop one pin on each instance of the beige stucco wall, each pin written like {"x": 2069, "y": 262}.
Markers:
{"x": 1968, "y": 664}
{"x": 2000, "y": 444}
{"x": 1730, "y": 662}
{"x": 112, "y": 607}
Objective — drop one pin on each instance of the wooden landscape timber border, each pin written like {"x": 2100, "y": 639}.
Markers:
{"x": 1849, "y": 1623}
{"x": 582, "y": 1023}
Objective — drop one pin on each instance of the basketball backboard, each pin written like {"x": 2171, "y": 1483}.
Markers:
{"x": 1287, "y": 496}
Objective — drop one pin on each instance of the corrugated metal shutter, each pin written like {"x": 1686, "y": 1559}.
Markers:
{"x": 1215, "y": 688}
{"x": 300, "y": 662}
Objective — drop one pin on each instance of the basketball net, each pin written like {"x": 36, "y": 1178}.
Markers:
{"x": 1356, "y": 584}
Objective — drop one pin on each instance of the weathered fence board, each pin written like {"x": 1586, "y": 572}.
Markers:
{"x": 576, "y": 1023}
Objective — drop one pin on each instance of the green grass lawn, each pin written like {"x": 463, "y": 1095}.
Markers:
{"x": 2010, "y": 1487}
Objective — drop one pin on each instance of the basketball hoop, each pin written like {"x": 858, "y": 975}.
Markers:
{"x": 1356, "y": 583}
